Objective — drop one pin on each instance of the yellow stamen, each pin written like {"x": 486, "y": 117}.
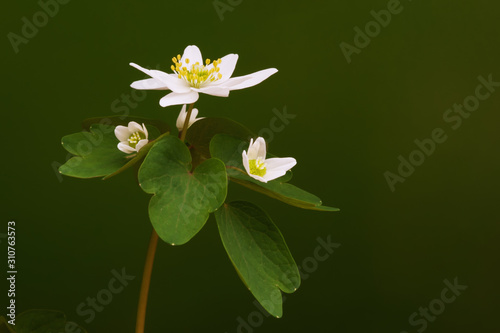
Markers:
{"x": 257, "y": 167}
{"x": 134, "y": 138}
{"x": 196, "y": 74}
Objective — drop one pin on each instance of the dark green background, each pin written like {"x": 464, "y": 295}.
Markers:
{"x": 352, "y": 122}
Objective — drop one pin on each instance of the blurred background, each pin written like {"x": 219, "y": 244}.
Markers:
{"x": 360, "y": 82}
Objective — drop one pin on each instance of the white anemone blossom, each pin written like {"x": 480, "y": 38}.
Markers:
{"x": 182, "y": 118}
{"x": 191, "y": 76}
{"x": 262, "y": 169}
{"x": 132, "y": 137}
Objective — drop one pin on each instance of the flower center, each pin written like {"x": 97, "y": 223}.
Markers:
{"x": 257, "y": 167}
{"x": 196, "y": 74}
{"x": 134, "y": 138}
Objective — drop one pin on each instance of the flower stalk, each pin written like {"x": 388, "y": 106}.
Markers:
{"x": 146, "y": 281}
{"x": 186, "y": 122}
{"x": 150, "y": 256}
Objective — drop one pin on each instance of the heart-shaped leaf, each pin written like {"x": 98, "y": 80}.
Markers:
{"x": 258, "y": 252}
{"x": 229, "y": 149}
{"x": 201, "y": 133}
{"x": 96, "y": 152}
{"x": 182, "y": 199}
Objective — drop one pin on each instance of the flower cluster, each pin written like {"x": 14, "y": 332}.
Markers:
{"x": 193, "y": 76}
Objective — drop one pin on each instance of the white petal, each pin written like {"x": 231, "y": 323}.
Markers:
{"x": 227, "y": 65}
{"x": 193, "y": 119}
{"x": 193, "y": 53}
{"x": 181, "y": 118}
{"x": 134, "y": 127}
{"x": 171, "y": 82}
{"x": 252, "y": 150}
{"x": 149, "y": 84}
{"x": 142, "y": 69}
{"x": 260, "y": 179}
{"x": 261, "y": 147}
{"x": 280, "y": 163}
{"x": 125, "y": 148}
{"x": 194, "y": 113}
{"x": 214, "y": 91}
{"x": 245, "y": 161}
{"x": 122, "y": 133}
{"x": 270, "y": 175}
{"x": 141, "y": 144}
{"x": 250, "y": 80}
{"x": 277, "y": 167}
{"x": 232, "y": 82}
{"x": 179, "y": 98}
{"x": 145, "y": 131}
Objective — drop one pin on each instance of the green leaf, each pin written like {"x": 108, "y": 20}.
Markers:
{"x": 201, "y": 133}
{"x": 5, "y": 327}
{"x": 258, "y": 252}
{"x": 124, "y": 120}
{"x": 229, "y": 149}
{"x": 182, "y": 199}
{"x": 45, "y": 321}
{"x": 96, "y": 152}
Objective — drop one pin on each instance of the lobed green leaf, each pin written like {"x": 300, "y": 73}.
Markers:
{"x": 258, "y": 252}
{"x": 201, "y": 133}
{"x": 96, "y": 152}
{"x": 183, "y": 199}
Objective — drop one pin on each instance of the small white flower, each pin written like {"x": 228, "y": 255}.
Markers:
{"x": 182, "y": 118}
{"x": 192, "y": 76}
{"x": 132, "y": 137}
{"x": 262, "y": 169}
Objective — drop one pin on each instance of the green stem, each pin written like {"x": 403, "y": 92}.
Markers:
{"x": 146, "y": 280}
{"x": 150, "y": 256}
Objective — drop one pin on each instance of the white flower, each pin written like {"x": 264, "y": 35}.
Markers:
{"x": 132, "y": 137}
{"x": 182, "y": 118}
{"x": 262, "y": 169}
{"x": 193, "y": 76}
